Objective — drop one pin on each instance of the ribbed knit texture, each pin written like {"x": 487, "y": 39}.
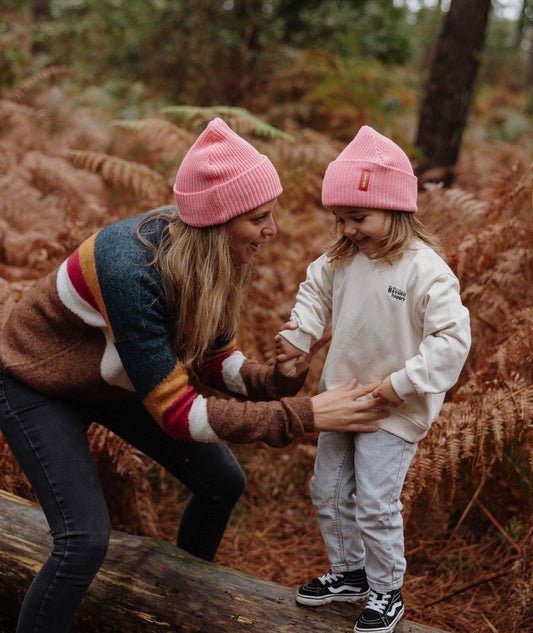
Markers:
{"x": 372, "y": 172}
{"x": 223, "y": 176}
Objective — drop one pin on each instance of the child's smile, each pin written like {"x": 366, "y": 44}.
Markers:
{"x": 366, "y": 228}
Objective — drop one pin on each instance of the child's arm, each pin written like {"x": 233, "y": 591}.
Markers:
{"x": 385, "y": 391}
{"x": 311, "y": 314}
{"x": 445, "y": 345}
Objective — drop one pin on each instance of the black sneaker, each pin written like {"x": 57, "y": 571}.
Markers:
{"x": 382, "y": 613}
{"x": 350, "y": 586}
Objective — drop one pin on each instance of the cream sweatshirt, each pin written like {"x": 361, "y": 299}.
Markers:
{"x": 405, "y": 320}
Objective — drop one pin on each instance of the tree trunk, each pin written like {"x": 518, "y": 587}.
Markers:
{"x": 40, "y": 10}
{"x": 529, "y": 77}
{"x": 450, "y": 88}
{"x": 526, "y": 23}
{"x": 522, "y": 22}
{"x": 148, "y": 585}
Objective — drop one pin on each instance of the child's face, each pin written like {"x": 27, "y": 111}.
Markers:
{"x": 366, "y": 228}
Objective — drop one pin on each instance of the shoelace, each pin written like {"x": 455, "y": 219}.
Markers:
{"x": 378, "y": 604}
{"x": 330, "y": 577}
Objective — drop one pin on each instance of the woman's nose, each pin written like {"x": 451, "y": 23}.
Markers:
{"x": 270, "y": 229}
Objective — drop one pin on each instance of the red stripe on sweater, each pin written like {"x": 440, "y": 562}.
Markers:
{"x": 212, "y": 373}
{"x": 176, "y": 417}
{"x": 78, "y": 280}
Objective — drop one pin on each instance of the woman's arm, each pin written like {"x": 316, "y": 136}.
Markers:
{"x": 279, "y": 423}
{"x": 229, "y": 371}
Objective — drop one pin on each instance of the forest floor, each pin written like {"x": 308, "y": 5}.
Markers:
{"x": 468, "y": 502}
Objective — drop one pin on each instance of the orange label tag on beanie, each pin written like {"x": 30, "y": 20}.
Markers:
{"x": 365, "y": 179}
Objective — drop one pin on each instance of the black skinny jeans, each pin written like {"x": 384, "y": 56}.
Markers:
{"x": 49, "y": 440}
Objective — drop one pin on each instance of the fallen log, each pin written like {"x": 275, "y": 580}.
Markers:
{"x": 147, "y": 585}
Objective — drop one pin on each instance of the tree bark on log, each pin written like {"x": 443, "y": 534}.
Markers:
{"x": 147, "y": 585}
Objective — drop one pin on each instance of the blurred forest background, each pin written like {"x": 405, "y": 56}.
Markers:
{"x": 100, "y": 100}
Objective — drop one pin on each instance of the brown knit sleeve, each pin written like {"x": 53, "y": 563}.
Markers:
{"x": 265, "y": 382}
{"x": 276, "y": 423}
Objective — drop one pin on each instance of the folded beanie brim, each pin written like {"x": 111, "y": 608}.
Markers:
{"x": 367, "y": 184}
{"x": 222, "y": 202}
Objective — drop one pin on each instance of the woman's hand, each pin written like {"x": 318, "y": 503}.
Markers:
{"x": 291, "y": 361}
{"x": 341, "y": 410}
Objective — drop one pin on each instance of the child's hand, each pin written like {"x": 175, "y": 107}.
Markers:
{"x": 284, "y": 350}
{"x": 293, "y": 362}
{"x": 386, "y": 393}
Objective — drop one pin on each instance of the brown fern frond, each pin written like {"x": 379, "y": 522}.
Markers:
{"x": 7, "y": 157}
{"x": 12, "y": 478}
{"x": 161, "y": 138}
{"x": 51, "y": 173}
{"x": 311, "y": 152}
{"x": 9, "y": 108}
{"x": 452, "y": 204}
{"x": 514, "y": 200}
{"x": 125, "y": 458}
{"x": 514, "y": 352}
{"x": 240, "y": 119}
{"x": 41, "y": 79}
{"x": 117, "y": 171}
{"x": 127, "y": 489}
{"x": 19, "y": 126}
{"x": 10, "y": 293}
{"x": 160, "y": 131}
{"x": 475, "y": 426}
{"x": 497, "y": 277}
{"x": 20, "y": 205}
{"x": 519, "y": 605}
{"x": 451, "y": 213}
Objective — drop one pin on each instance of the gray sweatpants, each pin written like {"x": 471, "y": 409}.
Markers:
{"x": 356, "y": 490}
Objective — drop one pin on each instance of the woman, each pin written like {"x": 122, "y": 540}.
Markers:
{"x": 117, "y": 334}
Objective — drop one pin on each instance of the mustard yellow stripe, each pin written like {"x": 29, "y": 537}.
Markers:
{"x": 221, "y": 351}
{"x": 88, "y": 268}
{"x": 160, "y": 399}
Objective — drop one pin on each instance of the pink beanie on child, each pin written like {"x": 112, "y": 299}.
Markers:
{"x": 372, "y": 172}
{"x": 223, "y": 176}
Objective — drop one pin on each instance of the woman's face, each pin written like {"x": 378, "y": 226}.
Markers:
{"x": 249, "y": 231}
{"x": 366, "y": 228}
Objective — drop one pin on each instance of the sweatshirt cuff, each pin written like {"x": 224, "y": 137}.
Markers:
{"x": 298, "y": 338}
{"x": 401, "y": 384}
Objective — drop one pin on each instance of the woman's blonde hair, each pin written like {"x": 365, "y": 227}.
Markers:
{"x": 203, "y": 287}
{"x": 405, "y": 227}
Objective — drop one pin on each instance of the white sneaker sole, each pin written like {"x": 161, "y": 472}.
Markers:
{"x": 317, "y": 602}
{"x": 383, "y": 629}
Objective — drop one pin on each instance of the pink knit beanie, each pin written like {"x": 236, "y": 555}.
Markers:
{"x": 223, "y": 176}
{"x": 372, "y": 172}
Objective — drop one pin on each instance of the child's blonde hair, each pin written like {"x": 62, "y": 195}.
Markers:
{"x": 405, "y": 228}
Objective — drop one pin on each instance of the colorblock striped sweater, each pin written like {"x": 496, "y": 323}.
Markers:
{"x": 98, "y": 329}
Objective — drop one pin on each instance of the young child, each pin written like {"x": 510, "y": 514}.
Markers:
{"x": 396, "y": 316}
